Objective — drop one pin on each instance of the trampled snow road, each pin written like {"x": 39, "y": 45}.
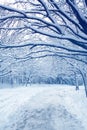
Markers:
{"x": 43, "y": 108}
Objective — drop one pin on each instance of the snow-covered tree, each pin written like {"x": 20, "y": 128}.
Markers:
{"x": 39, "y": 29}
{"x": 65, "y": 20}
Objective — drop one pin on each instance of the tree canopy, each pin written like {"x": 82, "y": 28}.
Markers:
{"x": 43, "y": 28}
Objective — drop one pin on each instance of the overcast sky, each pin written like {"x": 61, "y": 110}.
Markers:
{"x": 5, "y": 1}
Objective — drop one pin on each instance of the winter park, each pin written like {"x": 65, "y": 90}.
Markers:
{"x": 43, "y": 64}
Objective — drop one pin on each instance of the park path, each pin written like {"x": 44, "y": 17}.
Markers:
{"x": 41, "y": 108}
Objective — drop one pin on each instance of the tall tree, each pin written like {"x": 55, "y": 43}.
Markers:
{"x": 65, "y": 20}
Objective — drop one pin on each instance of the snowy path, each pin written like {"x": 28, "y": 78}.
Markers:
{"x": 43, "y": 108}
{"x": 12, "y": 99}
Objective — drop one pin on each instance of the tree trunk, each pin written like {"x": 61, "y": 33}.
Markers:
{"x": 76, "y": 82}
{"x": 84, "y": 76}
{"x": 77, "y": 85}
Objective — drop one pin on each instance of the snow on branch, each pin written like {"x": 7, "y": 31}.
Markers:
{"x": 82, "y": 20}
{"x": 56, "y": 20}
{"x": 33, "y": 45}
{"x": 4, "y": 7}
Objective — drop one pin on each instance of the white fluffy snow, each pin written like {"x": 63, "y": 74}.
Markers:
{"x": 45, "y": 107}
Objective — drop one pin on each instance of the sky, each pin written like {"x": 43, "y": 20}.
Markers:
{"x": 5, "y": 1}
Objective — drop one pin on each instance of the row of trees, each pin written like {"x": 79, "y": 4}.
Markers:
{"x": 51, "y": 70}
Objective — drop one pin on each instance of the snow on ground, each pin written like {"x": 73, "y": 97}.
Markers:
{"x": 45, "y": 107}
